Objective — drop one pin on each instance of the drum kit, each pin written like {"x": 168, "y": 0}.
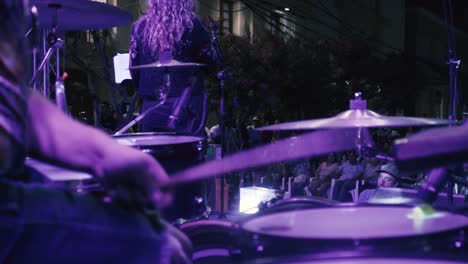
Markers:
{"x": 315, "y": 232}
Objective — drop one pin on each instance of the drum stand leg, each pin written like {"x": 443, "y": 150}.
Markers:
{"x": 138, "y": 118}
{"x": 162, "y": 94}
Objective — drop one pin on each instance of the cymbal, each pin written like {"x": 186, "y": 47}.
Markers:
{"x": 79, "y": 14}
{"x": 357, "y": 116}
{"x": 432, "y": 148}
{"x": 170, "y": 64}
{"x": 312, "y": 144}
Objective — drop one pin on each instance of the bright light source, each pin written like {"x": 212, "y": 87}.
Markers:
{"x": 251, "y": 197}
{"x": 286, "y": 9}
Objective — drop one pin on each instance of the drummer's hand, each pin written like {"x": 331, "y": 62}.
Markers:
{"x": 134, "y": 178}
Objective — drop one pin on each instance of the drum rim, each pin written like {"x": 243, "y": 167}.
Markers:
{"x": 207, "y": 222}
{"x": 305, "y": 199}
{"x": 242, "y": 222}
{"x": 305, "y": 258}
{"x": 192, "y": 139}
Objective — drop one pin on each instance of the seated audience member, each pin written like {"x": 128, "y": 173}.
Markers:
{"x": 370, "y": 175}
{"x": 323, "y": 175}
{"x": 349, "y": 172}
{"x": 388, "y": 177}
{"x": 300, "y": 172}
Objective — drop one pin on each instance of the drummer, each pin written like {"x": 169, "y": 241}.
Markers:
{"x": 40, "y": 223}
{"x": 170, "y": 29}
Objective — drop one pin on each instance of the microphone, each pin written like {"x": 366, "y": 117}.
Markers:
{"x": 433, "y": 184}
{"x": 181, "y": 102}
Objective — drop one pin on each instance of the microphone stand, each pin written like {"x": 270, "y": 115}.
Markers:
{"x": 432, "y": 186}
{"x": 222, "y": 76}
{"x": 454, "y": 64}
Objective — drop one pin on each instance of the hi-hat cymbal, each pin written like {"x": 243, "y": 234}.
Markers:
{"x": 79, "y": 14}
{"x": 170, "y": 64}
{"x": 357, "y": 116}
{"x": 308, "y": 145}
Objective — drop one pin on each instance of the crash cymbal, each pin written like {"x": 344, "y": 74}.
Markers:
{"x": 433, "y": 148}
{"x": 79, "y": 14}
{"x": 308, "y": 145}
{"x": 170, "y": 64}
{"x": 357, "y": 116}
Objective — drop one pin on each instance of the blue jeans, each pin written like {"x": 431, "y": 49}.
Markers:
{"x": 45, "y": 225}
{"x": 341, "y": 190}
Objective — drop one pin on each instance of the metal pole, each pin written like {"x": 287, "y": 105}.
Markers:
{"x": 45, "y": 70}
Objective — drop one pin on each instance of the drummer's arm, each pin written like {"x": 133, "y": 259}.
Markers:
{"x": 58, "y": 139}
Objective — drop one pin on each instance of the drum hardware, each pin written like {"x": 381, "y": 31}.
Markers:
{"x": 441, "y": 149}
{"x": 357, "y": 117}
{"x": 57, "y": 15}
{"x": 79, "y": 15}
{"x": 354, "y": 231}
{"x": 222, "y": 76}
{"x": 166, "y": 63}
{"x": 326, "y": 232}
{"x": 139, "y": 117}
{"x": 175, "y": 152}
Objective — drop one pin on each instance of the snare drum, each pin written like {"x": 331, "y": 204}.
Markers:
{"x": 175, "y": 153}
{"x": 364, "y": 231}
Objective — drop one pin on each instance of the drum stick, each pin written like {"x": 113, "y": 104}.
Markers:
{"x": 312, "y": 144}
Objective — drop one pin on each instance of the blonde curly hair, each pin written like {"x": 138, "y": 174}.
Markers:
{"x": 166, "y": 22}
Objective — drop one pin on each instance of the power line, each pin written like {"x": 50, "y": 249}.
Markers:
{"x": 295, "y": 12}
{"x": 312, "y": 30}
{"x": 305, "y": 18}
{"x": 259, "y": 13}
{"x": 264, "y": 13}
{"x": 224, "y": 11}
{"x": 359, "y": 32}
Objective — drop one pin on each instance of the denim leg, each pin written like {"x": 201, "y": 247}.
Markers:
{"x": 347, "y": 186}
{"x": 10, "y": 226}
{"x": 337, "y": 189}
{"x": 59, "y": 226}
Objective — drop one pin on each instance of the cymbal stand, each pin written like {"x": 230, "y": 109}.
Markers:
{"x": 55, "y": 45}
{"x": 222, "y": 76}
{"x": 162, "y": 92}
{"x": 454, "y": 64}
{"x": 362, "y": 139}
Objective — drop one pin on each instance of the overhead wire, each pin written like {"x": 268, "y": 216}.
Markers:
{"x": 217, "y": 10}
{"x": 260, "y": 10}
{"x": 347, "y": 25}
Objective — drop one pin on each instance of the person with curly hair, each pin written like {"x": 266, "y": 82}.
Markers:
{"x": 170, "y": 30}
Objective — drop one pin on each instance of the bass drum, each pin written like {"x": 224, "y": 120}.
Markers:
{"x": 212, "y": 241}
{"x": 175, "y": 153}
{"x": 354, "y": 231}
